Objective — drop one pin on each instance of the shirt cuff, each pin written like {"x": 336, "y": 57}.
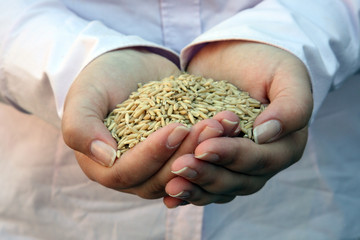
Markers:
{"x": 94, "y": 41}
{"x": 284, "y": 26}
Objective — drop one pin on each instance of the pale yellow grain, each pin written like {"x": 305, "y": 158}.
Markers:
{"x": 186, "y": 99}
{"x": 170, "y": 110}
{"x": 176, "y": 106}
{"x": 127, "y": 118}
{"x": 112, "y": 125}
{"x": 163, "y": 122}
{"x": 195, "y": 113}
{"x": 183, "y": 105}
{"x": 177, "y": 116}
{"x": 163, "y": 111}
{"x": 203, "y": 115}
{"x": 138, "y": 112}
{"x": 191, "y": 118}
{"x": 147, "y": 116}
{"x": 157, "y": 125}
{"x": 144, "y": 127}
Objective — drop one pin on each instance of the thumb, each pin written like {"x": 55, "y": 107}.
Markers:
{"x": 83, "y": 128}
{"x": 290, "y": 107}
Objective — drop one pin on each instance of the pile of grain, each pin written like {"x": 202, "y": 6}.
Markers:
{"x": 186, "y": 99}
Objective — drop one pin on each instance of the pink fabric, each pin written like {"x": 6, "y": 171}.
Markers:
{"x": 184, "y": 223}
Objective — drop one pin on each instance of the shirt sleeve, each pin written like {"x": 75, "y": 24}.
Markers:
{"x": 324, "y": 34}
{"x": 44, "y": 46}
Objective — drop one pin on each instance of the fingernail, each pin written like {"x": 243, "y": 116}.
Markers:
{"x": 177, "y": 136}
{"x": 103, "y": 153}
{"x": 183, "y": 203}
{"x": 229, "y": 124}
{"x": 186, "y": 172}
{"x": 182, "y": 195}
{"x": 237, "y": 130}
{"x": 211, "y": 157}
{"x": 209, "y": 132}
{"x": 267, "y": 131}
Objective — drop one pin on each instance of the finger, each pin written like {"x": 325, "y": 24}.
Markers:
{"x": 105, "y": 82}
{"x": 200, "y": 132}
{"x": 171, "y": 202}
{"x": 203, "y": 130}
{"x": 290, "y": 105}
{"x": 184, "y": 190}
{"x": 150, "y": 156}
{"x": 230, "y": 122}
{"x": 215, "y": 179}
{"x": 269, "y": 74}
{"x": 82, "y": 124}
{"x": 245, "y": 156}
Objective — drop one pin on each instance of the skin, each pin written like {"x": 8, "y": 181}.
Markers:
{"x": 108, "y": 80}
{"x": 271, "y": 75}
{"x": 105, "y": 82}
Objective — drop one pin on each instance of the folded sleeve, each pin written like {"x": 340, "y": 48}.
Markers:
{"x": 324, "y": 34}
{"x": 44, "y": 46}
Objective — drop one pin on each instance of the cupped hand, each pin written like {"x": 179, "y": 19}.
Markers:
{"x": 225, "y": 167}
{"x": 105, "y": 82}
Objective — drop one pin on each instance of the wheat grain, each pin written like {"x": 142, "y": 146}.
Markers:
{"x": 185, "y": 99}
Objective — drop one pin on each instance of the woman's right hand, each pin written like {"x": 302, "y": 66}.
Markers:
{"x": 105, "y": 82}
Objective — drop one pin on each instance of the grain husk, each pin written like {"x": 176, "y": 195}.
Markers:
{"x": 185, "y": 99}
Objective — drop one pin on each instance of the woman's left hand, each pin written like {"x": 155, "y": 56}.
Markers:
{"x": 224, "y": 167}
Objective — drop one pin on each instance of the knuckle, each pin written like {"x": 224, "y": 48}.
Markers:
{"x": 115, "y": 180}
{"x": 69, "y": 133}
{"x": 200, "y": 199}
{"x": 303, "y": 112}
{"x": 225, "y": 199}
{"x": 221, "y": 185}
{"x": 151, "y": 191}
{"x": 251, "y": 186}
{"x": 209, "y": 181}
{"x": 260, "y": 163}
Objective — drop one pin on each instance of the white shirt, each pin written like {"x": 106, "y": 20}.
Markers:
{"x": 44, "y": 44}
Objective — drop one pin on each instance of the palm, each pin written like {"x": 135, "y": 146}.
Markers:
{"x": 272, "y": 76}
{"x": 269, "y": 74}
{"x": 105, "y": 82}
